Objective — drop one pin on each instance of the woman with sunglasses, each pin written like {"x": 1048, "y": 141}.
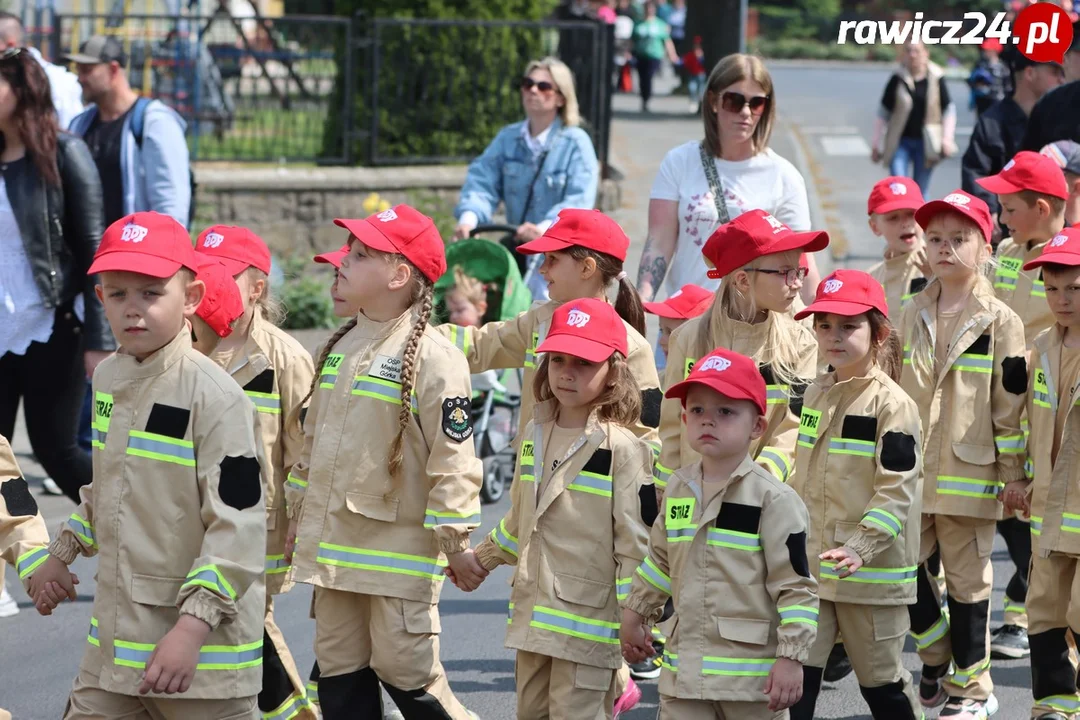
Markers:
{"x": 535, "y": 167}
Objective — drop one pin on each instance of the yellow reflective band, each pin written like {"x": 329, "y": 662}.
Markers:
{"x": 211, "y": 657}
{"x": 381, "y": 561}
{"x": 161, "y": 448}
{"x": 459, "y": 336}
{"x": 209, "y": 577}
{"x": 775, "y": 462}
{"x": 330, "y": 370}
{"x": 530, "y": 354}
{"x": 269, "y": 403}
{"x": 525, "y": 462}
{"x": 564, "y": 623}
{"x": 28, "y": 562}
{"x": 92, "y": 636}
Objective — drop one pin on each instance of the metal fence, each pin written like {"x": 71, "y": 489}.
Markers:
{"x": 340, "y": 91}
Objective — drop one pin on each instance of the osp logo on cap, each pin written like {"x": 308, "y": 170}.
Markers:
{"x": 213, "y": 240}
{"x": 776, "y": 224}
{"x": 957, "y": 199}
{"x": 1008, "y": 165}
{"x": 387, "y": 215}
{"x": 133, "y": 233}
{"x": 718, "y": 364}
{"x": 577, "y": 318}
{"x": 898, "y": 188}
{"x": 832, "y": 285}
{"x": 1059, "y": 240}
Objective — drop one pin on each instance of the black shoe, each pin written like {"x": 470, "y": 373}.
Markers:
{"x": 931, "y": 694}
{"x": 838, "y": 666}
{"x": 647, "y": 670}
{"x": 1009, "y": 642}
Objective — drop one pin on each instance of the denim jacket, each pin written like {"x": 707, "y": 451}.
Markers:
{"x": 507, "y": 167}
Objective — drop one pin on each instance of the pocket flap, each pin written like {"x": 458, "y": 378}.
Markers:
{"x": 375, "y": 507}
{"x": 420, "y": 618}
{"x": 580, "y": 591}
{"x": 975, "y": 454}
{"x": 754, "y": 631}
{"x": 156, "y": 591}
{"x": 844, "y": 530}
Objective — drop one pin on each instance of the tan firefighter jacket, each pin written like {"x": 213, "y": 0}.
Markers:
{"x": 736, "y": 566}
{"x": 1055, "y": 491}
{"x": 360, "y": 530}
{"x": 859, "y": 471}
{"x": 23, "y": 538}
{"x": 513, "y": 343}
{"x": 972, "y": 442}
{"x": 176, "y": 518}
{"x": 575, "y": 536}
{"x": 775, "y": 449}
{"x": 901, "y": 278}
{"x": 1020, "y": 289}
{"x": 275, "y": 372}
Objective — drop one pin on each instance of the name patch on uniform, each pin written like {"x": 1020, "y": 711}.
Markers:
{"x": 456, "y": 418}
{"x": 168, "y": 420}
{"x": 679, "y": 512}
{"x": 386, "y": 367}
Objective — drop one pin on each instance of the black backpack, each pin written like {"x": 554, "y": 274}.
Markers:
{"x": 138, "y": 114}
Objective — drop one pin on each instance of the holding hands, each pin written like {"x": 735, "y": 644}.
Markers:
{"x": 465, "y": 571}
{"x": 51, "y": 584}
{"x": 637, "y": 639}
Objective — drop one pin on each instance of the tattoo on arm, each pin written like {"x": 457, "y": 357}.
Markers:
{"x": 653, "y": 269}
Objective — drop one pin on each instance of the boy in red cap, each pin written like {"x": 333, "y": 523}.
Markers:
{"x": 687, "y": 302}
{"x": 1047, "y": 497}
{"x": 729, "y": 547}
{"x": 891, "y": 210}
{"x": 175, "y": 514}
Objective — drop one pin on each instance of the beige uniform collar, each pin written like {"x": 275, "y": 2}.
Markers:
{"x": 728, "y": 328}
{"x": 593, "y": 434}
{"x": 372, "y": 330}
{"x": 157, "y": 363}
{"x": 828, "y": 381}
{"x": 695, "y": 480}
{"x": 976, "y": 317}
{"x": 1048, "y": 347}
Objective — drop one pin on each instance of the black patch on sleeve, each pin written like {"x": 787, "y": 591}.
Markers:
{"x": 263, "y": 382}
{"x": 767, "y": 373}
{"x": 860, "y": 427}
{"x": 647, "y": 500}
{"x": 981, "y": 346}
{"x": 796, "y": 547}
{"x": 303, "y": 415}
{"x": 168, "y": 421}
{"x": 457, "y": 418}
{"x": 739, "y": 517}
{"x": 1014, "y": 375}
{"x": 20, "y": 502}
{"x": 650, "y": 407}
{"x": 917, "y": 284}
{"x": 240, "y": 486}
{"x": 795, "y": 402}
{"x": 599, "y": 463}
{"x": 898, "y": 451}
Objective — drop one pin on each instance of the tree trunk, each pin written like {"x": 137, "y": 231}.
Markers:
{"x": 719, "y": 23}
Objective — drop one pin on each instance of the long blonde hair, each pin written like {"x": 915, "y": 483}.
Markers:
{"x": 730, "y": 70}
{"x": 564, "y": 81}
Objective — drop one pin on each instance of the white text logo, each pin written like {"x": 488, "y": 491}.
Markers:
{"x": 718, "y": 364}
{"x": 898, "y": 188}
{"x": 576, "y": 318}
{"x": 957, "y": 199}
{"x": 213, "y": 240}
{"x": 832, "y": 285}
{"x": 776, "y": 224}
{"x": 133, "y": 233}
{"x": 1059, "y": 240}
{"x": 387, "y": 215}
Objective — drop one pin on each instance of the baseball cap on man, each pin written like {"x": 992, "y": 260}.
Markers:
{"x": 145, "y": 242}
{"x": 221, "y": 304}
{"x": 687, "y": 302}
{"x": 1063, "y": 249}
{"x": 755, "y": 234}
{"x": 98, "y": 49}
{"x": 1066, "y": 153}
{"x": 405, "y": 230}
{"x": 960, "y": 202}
{"x": 237, "y": 248}
{"x": 586, "y": 328}
{"x": 848, "y": 293}
{"x": 334, "y": 257}
{"x": 728, "y": 373}
{"x": 894, "y": 193}
{"x": 1028, "y": 171}
{"x": 590, "y": 229}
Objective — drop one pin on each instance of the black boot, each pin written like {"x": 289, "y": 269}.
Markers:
{"x": 888, "y": 702}
{"x": 804, "y": 709}
{"x": 351, "y": 697}
{"x": 417, "y": 704}
{"x": 276, "y": 685}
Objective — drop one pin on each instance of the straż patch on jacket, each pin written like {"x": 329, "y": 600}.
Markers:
{"x": 647, "y": 503}
{"x": 240, "y": 486}
{"x": 263, "y": 382}
{"x": 1014, "y": 375}
{"x": 898, "y": 451}
{"x": 20, "y": 502}
{"x": 860, "y": 427}
{"x": 650, "y": 407}
{"x": 739, "y": 517}
{"x": 796, "y": 547}
{"x": 457, "y": 418}
{"x": 168, "y": 420}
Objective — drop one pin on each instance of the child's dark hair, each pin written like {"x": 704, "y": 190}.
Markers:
{"x": 627, "y": 302}
{"x": 1057, "y": 269}
{"x": 620, "y": 402}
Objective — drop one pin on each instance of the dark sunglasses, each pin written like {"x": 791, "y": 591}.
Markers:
{"x": 543, "y": 86}
{"x": 734, "y": 102}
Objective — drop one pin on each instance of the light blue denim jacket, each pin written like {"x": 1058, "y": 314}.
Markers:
{"x": 503, "y": 172}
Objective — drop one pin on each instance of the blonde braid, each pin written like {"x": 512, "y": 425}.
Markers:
{"x": 408, "y": 372}
{"x": 341, "y": 332}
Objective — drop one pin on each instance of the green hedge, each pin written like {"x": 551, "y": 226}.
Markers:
{"x": 802, "y": 49}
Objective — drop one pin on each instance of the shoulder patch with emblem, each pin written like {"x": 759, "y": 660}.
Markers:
{"x": 20, "y": 503}
{"x": 898, "y": 451}
{"x": 457, "y": 418}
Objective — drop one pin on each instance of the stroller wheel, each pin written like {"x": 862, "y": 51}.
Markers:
{"x": 494, "y": 480}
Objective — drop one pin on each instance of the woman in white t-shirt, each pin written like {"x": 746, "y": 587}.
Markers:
{"x": 739, "y": 110}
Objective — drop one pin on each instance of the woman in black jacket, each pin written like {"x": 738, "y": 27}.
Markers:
{"x": 53, "y": 331}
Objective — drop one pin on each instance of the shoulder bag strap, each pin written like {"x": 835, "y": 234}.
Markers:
{"x": 715, "y": 187}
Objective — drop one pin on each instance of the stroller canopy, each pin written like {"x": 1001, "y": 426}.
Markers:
{"x": 492, "y": 264}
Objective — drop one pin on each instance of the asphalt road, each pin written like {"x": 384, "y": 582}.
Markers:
{"x": 825, "y": 113}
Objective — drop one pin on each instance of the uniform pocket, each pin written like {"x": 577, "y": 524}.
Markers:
{"x": 889, "y": 624}
{"x": 753, "y": 631}
{"x": 975, "y": 454}
{"x": 844, "y": 531}
{"x": 984, "y": 539}
{"x": 580, "y": 591}
{"x": 375, "y": 507}
{"x": 420, "y": 618}
{"x": 156, "y": 591}
{"x": 587, "y": 677}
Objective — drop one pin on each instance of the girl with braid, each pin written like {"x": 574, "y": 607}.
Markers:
{"x": 386, "y": 491}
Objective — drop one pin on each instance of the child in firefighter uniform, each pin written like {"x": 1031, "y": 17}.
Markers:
{"x": 729, "y": 547}
{"x": 891, "y": 215}
{"x": 857, "y": 468}
{"x": 1054, "y": 508}
{"x": 758, "y": 257}
{"x": 275, "y": 372}
{"x": 175, "y": 514}
{"x": 386, "y": 491}
{"x": 965, "y": 368}
{"x": 582, "y": 498}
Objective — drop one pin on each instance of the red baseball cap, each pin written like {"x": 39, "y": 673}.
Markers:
{"x": 1063, "y": 249}
{"x": 145, "y": 242}
{"x": 405, "y": 230}
{"x": 334, "y": 257}
{"x": 960, "y": 202}
{"x": 590, "y": 229}
{"x": 238, "y": 248}
{"x": 728, "y": 373}
{"x": 586, "y": 328}
{"x": 687, "y": 302}
{"x": 755, "y": 234}
{"x": 847, "y": 292}
{"x": 1028, "y": 171}
{"x": 894, "y": 193}
{"x": 222, "y": 304}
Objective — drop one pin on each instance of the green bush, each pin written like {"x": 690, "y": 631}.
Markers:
{"x": 306, "y": 297}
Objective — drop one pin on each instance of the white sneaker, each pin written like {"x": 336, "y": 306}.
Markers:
{"x": 8, "y": 607}
{"x": 49, "y": 486}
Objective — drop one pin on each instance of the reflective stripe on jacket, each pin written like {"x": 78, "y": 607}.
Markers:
{"x": 1022, "y": 290}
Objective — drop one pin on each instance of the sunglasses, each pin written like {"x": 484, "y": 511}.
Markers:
{"x": 734, "y": 102}
{"x": 543, "y": 86}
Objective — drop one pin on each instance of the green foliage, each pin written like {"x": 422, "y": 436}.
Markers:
{"x": 306, "y": 297}
{"x": 805, "y": 49}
